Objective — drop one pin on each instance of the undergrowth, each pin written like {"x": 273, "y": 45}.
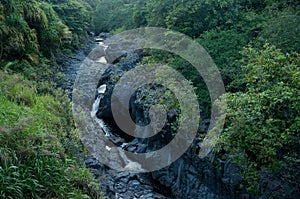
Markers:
{"x": 39, "y": 146}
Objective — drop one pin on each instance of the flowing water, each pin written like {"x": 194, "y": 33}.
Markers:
{"x": 188, "y": 177}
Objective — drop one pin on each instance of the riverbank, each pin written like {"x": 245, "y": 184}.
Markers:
{"x": 39, "y": 144}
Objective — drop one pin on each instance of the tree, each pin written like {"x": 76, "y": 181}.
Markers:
{"x": 50, "y": 38}
{"x": 282, "y": 28}
{"x": 224, "y": 47}
{"x": 157, "y": 11}
{"x": 75, "y": 14}
{"x": 194, "y": 17}
{"x": 139, "y": 14}
{"x": 111, "y": 15}
{"x": 262, "y": 127}
{"x": 18, "y": 40}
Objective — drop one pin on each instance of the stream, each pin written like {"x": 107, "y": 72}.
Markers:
{"x": 189, "y": 177}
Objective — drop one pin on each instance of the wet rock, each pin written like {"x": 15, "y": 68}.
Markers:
{"x": 191, "y": 177}
{"x": 110, "y": 78}
{"x": 204, "y": 125}
{"x": 93, "y": 164}
{"x": 69, "y": 65}
{"x": 125, "y": 185}
{"x": 188, "y": 177}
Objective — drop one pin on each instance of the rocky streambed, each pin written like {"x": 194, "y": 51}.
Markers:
{"x": 187, "y": 177}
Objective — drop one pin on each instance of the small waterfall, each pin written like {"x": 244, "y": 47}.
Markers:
{"x": 130, "y": 165}
{"x": 101, "y": 90}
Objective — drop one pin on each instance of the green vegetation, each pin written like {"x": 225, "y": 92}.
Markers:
{"x": 262, "y": 127}
{"x": 76, "y": 14}
{"x": 39, "y": 145}
{"x": 28, "y": 27}
{"x": 40, "y": 151}
{"x": 255, "y": 44}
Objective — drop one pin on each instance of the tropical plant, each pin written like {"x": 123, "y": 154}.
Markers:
{"x": 262, "y": 127}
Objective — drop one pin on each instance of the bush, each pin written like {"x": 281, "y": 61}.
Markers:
{"x": 262, "y": 127}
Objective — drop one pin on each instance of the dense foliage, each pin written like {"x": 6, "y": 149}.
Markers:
{"x": 39, "y": 145}
{"x": 262, "y": 129}
{"x": 254, "y": 43}
{"x": 26, "y": 27}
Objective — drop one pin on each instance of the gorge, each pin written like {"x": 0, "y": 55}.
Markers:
{"x": 188, "y": 177}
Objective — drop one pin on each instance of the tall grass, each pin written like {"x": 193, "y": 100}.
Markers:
{"x": 39, "y": 145}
